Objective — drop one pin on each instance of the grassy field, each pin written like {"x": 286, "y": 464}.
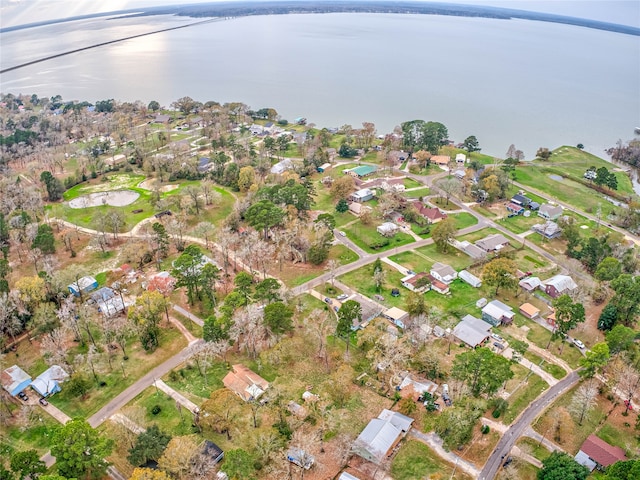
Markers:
{"x": 537, "y": 450}
{"x": 520, "y": 223}
{"x": 195, "y": 386}
{"x": 526, "y": 393}
{"x": 416, "y": 461}
{"x": 363, "y": 235}
{"x": 361, "y": 280}
{"x": 136, "y": 366}
{"x": 540, "y": 336}
{"x": 420, "y": 192}
{"x": 430, "y": 254}
{"x": 294, "y": 275}
{"x": 410, "y": 183}
{"x": 34, "y": 432}
{"x": 555, "y": 370}
{"x": 463, "y": 220}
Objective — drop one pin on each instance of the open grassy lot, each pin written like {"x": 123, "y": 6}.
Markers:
{"x": 527, "y": 391}
{"x": 364, "y": 235}
{"x": 430, "y": 254}
{"x": 477, "y": 235}
{"x": 294, "y": 275}
{"x": 533, "y": 446}
{"x": 196, "y": 386}
{"x": 540, "y": 336}
{"x": 522, "y": 470}
{"x": 361, "y": 280}
{"x": 416, "y": 461}
{"x": 417, "y": 193}
{"x": 25, "y": 432}
{"x": 462, "y": 300}
{"x": 520, "y": 223}
{"x": 410, "y": 183}
{"x": 487, "y": 212}
{"x": 139, "y": 363}
{"x": 463, "y": 220}
{"x": 555, "y": 370}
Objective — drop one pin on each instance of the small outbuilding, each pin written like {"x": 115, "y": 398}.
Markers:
{"x": 469, "y": 278}
{"x": 14, "y": 380}
{"x": 300, "y": 457}
{"x": 83, "y": 285}
{"x": 396, "y": 315}
{"x": 529, "y": 311}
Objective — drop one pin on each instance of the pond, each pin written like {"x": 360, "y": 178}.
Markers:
{"x": 558, "y": 178}
{"x": 116, "y": 198}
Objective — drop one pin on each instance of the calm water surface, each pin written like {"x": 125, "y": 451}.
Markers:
{"x": 529, "y": 83}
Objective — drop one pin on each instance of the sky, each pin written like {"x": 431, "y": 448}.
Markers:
{"x": 18, "y": 12}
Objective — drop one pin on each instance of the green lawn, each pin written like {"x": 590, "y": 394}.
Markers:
{"x": 540, "y": 336}
{"x": 477, "y": 235}
{"x": 484, "y": 211}
{"x": 416, "y": 461}
{"x": 191, "y": 383}
{"x": 526, "y": 393}
{"x": 463, "y": 220}
{"x": 555, "y": 370}
{"x": 35, "y": 433}
{"x": 294, "y": 275}
{"x": 168, "y": 419}
{"x": 410, "y": 183}
{"x": 364, "y": 235}
{"x": 462, "y": 300}
{"x": 453, "y": 257}
{"x": 520, "y": 223}
{"x": 136, "y": 366}
{"x": 361, "y": 280}
{"x": 420, "y": 192}
{"x": 537, "y": 450}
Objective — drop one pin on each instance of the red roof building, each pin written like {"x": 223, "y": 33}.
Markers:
{"x": 596, "y": 453}
{"x": 433, "y": 215}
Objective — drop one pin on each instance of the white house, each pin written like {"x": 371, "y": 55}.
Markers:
{"x": 443, "y": 272}
{"x": 381, "y": 435}
{"x": 496, "y": 312}
{"x": 387, "y": 229}
{"x": 550, "y": 212}
{"x": 461, "y": 158}
{"x": 363, "y": 195}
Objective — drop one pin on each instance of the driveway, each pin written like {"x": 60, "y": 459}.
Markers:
{"x": 435, "y": 442}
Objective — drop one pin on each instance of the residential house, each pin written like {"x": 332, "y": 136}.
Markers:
{"x": 515, "y": 208}
{"x": 534, "y": 206}
{"x": 410, "y": 387}
{"x": 370, "y": 310}
{"x": 529, "y": 311}
{"x": 377, "y": 441}
{"x": 387, "y": 229}
{"x": 469, "y": 278}
{"x": 282, "y": 166}
{"x": 530, "y": 283}
{"x": 558, "y": 285}
{"x": 109, "y": 303}
{"x": 550, "y": 212}
{"x": 496, "y": 313}
{"x": 83, "y": 285}
{"x": 548, "y": 229}
{"x": 438, "y": 286}
{"x": 300, "y": 458}
{"x": 442, "y": 160}
{"x": 162, "y": 282}
{"x": 160, "y": 118}
{"x": 361, "y": 171}
{"x": 213, "y": 451}
{"x": 521, "y": 200}
{"x": 392, "y": 184}
{"x": 460, "y": 173}
{"x": 332, "y": 153}
{"x": 493, "y": 243}
{"x": 245, "y": 383}
{"x": 48, "y": 382}
{"x": 596, "y": 453}
{"x": 14, "y": 380}
{"x": 443, "y": 272}
{"x": 432, "y": 215}
{"x": 472, "y": 331}
{"x": 470, "y": 249}
{"x": 461, "y": 158}
{"x": 256, "y": 129}
{"x": 396, "y": 217}
{"x": 358, "y": 208}
{"x": 416, "y": 283}
{"x": 204, "y": 164}
{"x": 396, "y": 315}
{"x": 322, "y": 168}
{"x": 551, "y": 318}
{"x": 363, "y": 195}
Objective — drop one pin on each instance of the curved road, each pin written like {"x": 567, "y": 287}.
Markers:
{"x": 516, "y": 429}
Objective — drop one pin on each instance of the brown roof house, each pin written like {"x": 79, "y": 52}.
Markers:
{"x": 418, "y": 282}
{"x": 596, "y": 453}
{"x": 432, "y": 215}
{"x": 529, "y": 310}
{"x": 245, "y": 383}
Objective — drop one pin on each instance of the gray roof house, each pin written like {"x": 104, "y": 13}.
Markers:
{"x": 493, "y": 243}
{"x": 558, "y": 285}
{"x": 387, "y": 229}
{"x": 550, "y": 212}
{"x": 363, "y": 195}
{"x": 530, "y": 283}
{"x": 48, "y": 382}
{"x": 381, "y": 435}
{"x": 548, "y": 229}
{"x": 472, "y": 331}
{"x": 470, "y": 249}
{"x": 496, "y": 312}
{"x": 443, "y": 272}
{"x": 14, "y": 380}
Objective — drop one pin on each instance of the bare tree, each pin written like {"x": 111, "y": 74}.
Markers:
{"x": 584, "y": 399}
{"x": 332, "y": 266}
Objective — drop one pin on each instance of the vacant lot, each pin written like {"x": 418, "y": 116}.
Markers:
{"x": 416, "y": 461}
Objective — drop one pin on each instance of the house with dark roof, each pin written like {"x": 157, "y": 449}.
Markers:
{"x": 596, "y": 453}
{"x": 521, "y": 200}
{"x": 245, "y": 383}
{"x": 213, "y": 451}
{"x": 493, "y": 243}
{"x": 377, "y": 441}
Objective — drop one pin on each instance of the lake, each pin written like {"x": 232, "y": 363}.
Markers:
{"x": 524, "y": 82}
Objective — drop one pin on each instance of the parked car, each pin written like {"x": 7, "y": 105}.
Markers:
{"x": 43, "y": 402}
{"x": 342, "y": 296}
{"x": 628, "y": 404}
{"x": 445, "y": 388}
{"x": 498, "y": 345}
{"x": 336, "y": 308}
{"x": 507, "y": 462}
{"x": 495, "y": 336}
{"x": 410, "y": 272}
{"x": 23, "y": 396}
{"x": 342, "y": 234}
{"x": 328, "y": 300}
{"x": 379, "y": 298}
{"x": 446, "y": 399}
{"x": 578, "y": 344}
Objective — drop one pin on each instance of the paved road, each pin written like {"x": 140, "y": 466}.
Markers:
{"x": 134, "y": 390}
{"x": 516, "y": 429}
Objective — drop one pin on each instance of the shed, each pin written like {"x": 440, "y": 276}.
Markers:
{"x": 596, "y": 453}
{"x": 396, "y": 315}
{"x": 529, "y": 310}
{"x": 469, "y": 278}
{"x": 324, "y": 167}
{"x": 48, "y": 382}
{"x": 83, "y": 285}
{"x": 212, "y": 450}
{"x": 14, "y": 380}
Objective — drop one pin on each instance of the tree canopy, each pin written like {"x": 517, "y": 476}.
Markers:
{"x": 481, "y": 370}
{"x": 500, "y": 273}
{"x": 560, "y": 466}
{"x": 421, "y": 135}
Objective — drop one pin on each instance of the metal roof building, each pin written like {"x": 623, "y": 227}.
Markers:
{"x": 14, "y": 380}
{"x": 379, "y": 437}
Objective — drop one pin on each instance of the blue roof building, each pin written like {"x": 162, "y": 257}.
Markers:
{"x": 14, "y": 380}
